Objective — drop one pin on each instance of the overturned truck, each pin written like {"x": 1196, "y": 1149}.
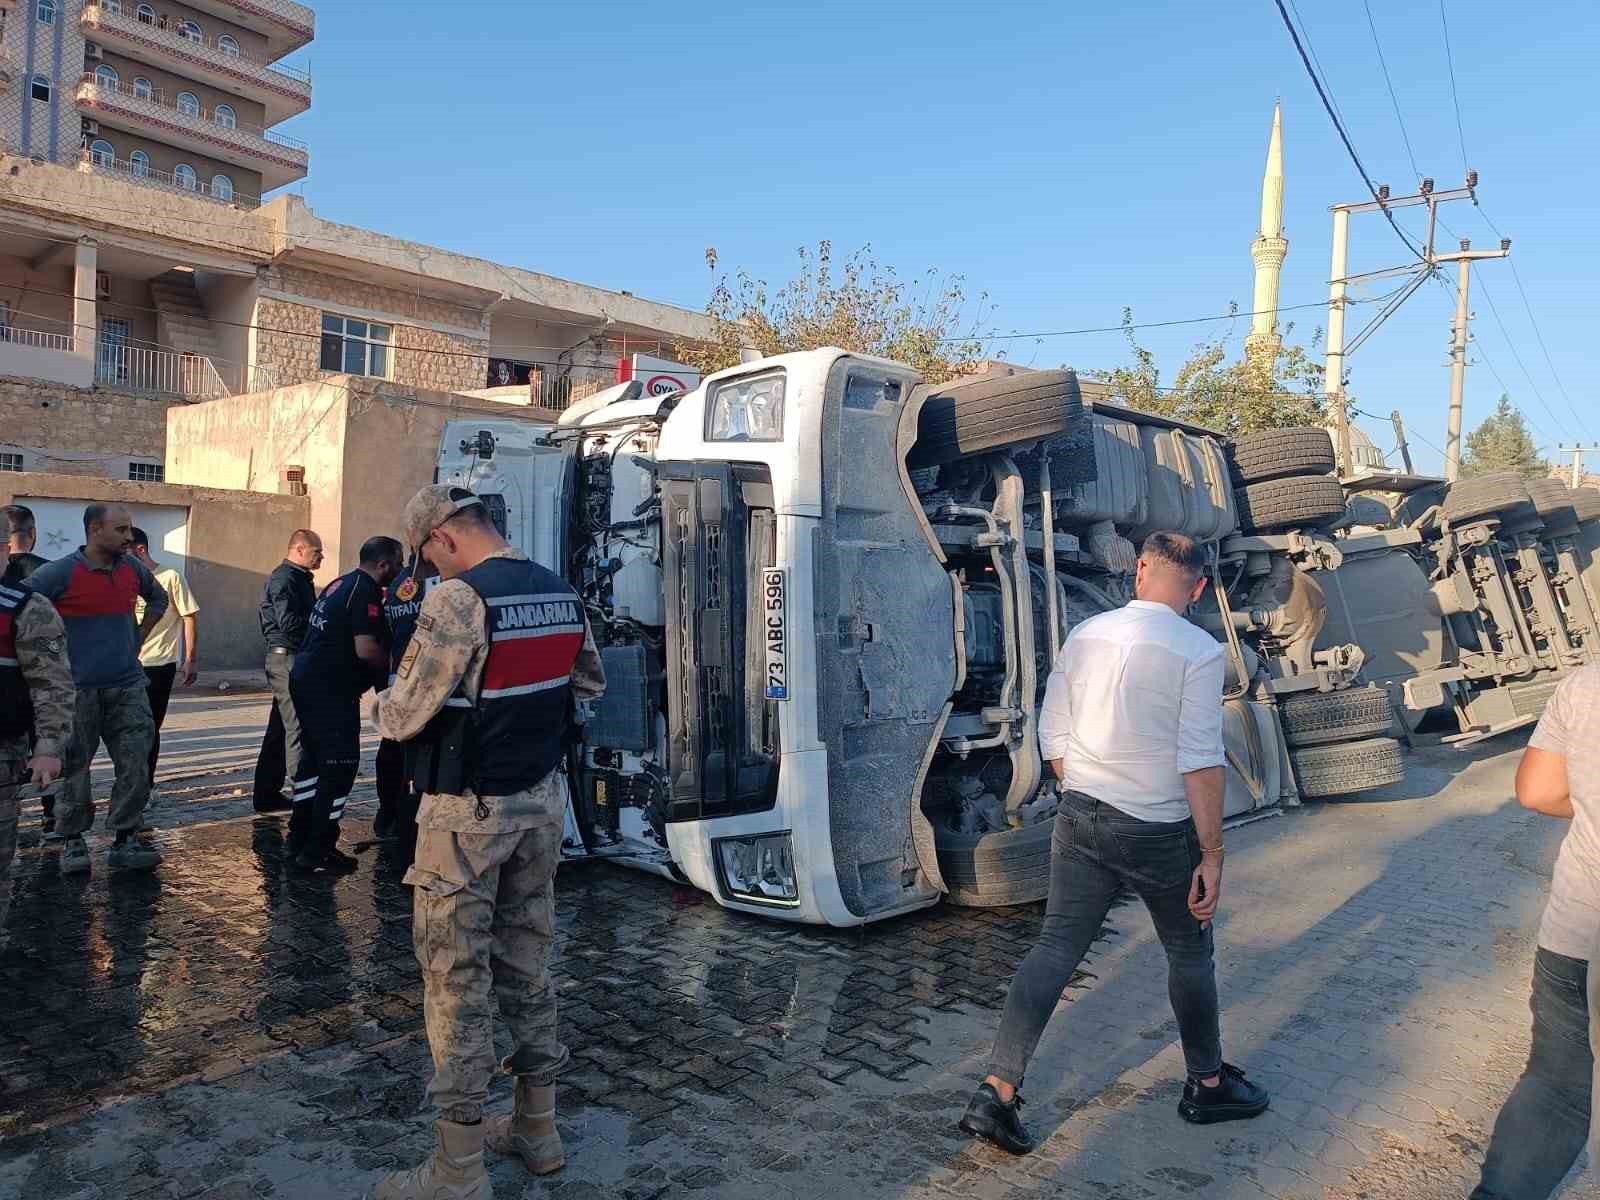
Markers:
{"x": 828, "y": 595}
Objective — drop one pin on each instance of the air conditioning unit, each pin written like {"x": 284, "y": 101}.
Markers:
{"x": 91, "y": 128}
{"x": 102, "y": 285}
{"x": 92, "y": 52}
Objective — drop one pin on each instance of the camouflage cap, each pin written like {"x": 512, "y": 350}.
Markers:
{"x": 430, "y": 508}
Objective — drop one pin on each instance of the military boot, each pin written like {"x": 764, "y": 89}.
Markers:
{"x": 530, "y": 1131}
{"x": 455, "y": 1172}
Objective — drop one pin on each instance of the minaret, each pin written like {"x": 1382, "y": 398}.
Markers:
{"x": 1268, "y": 252}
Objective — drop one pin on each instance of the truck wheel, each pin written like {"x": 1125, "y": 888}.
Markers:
{"x": 999, "y": 408}
{"x": 1307, "y": 502}
{"x": 1280, "y": 453}
{"x": 1348, "y": 767}
{"x": 1586, "y": 503}
{"x": 1552, "y": 500}
{"x": 1501, "y": 494}
{"x": 992, "y": 870}
{"x": 1318, "y": 718}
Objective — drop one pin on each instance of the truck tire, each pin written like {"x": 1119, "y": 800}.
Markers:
{"x": 993, "y": 870}
{"x": 1306, "y": 502}
{"x": 999, "y": 408}
{"x": 1501, "y": 494}
{"x": 1317, "y": 718}
{"x": 1586, "y": 503}
{"x": 1280, "y": 454}
{"x": 1552, "y": 500}
{"x": 1348, "y": 767}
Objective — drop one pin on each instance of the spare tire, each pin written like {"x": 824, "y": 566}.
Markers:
{"x": 1348, "y": 767}
{"x": 1306, "y": 502}
{"x": 1586, "y": 503}
{"x": 1552, "y": 500}
{"x": 992, "y": 870}
{"x": 1502, "y": 494}
{"x": 1317, "y": 718}
{"x": 1005, "y": 407}
{"x": 1280, "y": 454}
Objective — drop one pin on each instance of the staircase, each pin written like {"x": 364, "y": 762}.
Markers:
{"x": 182, "y": 325}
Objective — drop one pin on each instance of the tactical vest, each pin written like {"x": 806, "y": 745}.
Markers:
{"x": 16, "y": 704}
{"x": 516, "y": 732}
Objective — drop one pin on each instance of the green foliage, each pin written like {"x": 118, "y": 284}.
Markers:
{"x": 1503, "y": 443}
{"x": 1232, "y": 397}
{"x": 855, "y": 304}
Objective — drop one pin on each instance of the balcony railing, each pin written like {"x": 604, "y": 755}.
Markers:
{"x": 157, "y": 372}
{"x": 19, "y": 336}
{"x": 195, "y": 112}
{"x": 122, "y": 16}
{"x": 143, "y": 173}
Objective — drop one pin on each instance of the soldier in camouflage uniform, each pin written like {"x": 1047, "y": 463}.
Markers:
{"x": 483, "y": 699}
{"x": 36, "y": 699}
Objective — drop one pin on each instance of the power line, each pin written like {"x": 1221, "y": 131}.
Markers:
{"x": 1393, "y": 98}
{"x": 1338, "y": 126}
{"x": 1495, "y": 309}
{"x": 1455, "y": 96}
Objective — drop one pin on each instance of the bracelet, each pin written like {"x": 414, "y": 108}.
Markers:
{"x": 1210, "y": 849}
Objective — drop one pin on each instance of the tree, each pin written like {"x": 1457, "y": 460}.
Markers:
{"x": 856, "y": 304}
{"x": 1503, "y": 443}
{"x": 1232, "y": 397}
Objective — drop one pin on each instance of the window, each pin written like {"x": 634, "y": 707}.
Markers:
{"x": 146, "y": 14}
{"x": 189, "y": 104}
{"x": 101, "y": 153}
{"x": 139, "y": 162}
{"x": 106, "y": 77}
{"x": 10, "y": 460}
{"x": 114, "y": 7}
{"x": 185, "y": 177}
{"x": 147, "y": 472}
{"x": 47, "y": 12}
{"x": 41, "y": 88}
{"x": 222, "y": 187}
{"x": 222, "y": 114}
{"x": 188, "y": 29}
{"x": 143, "y": 88}
{"x": 355, "y": 347}
{"x": 228, "y": 46}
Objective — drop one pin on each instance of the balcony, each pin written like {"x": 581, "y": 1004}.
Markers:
{"x": 153, "y": 371}
{"x": 279, "y": 158}
{"x": 285, "y": 24}
{"x": 144, "y": 175}
{"x": 284, "y": 90}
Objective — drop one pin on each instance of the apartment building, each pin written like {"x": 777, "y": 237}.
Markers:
{"x": 141, "y": 268}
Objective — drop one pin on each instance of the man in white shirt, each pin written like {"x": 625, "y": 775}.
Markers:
{"x": 159, "y": 653}
{"x": 1132, "y": 729}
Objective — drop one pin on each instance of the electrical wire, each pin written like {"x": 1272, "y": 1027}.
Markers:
{"x": 1338, "y": 126}
{"x": 1455, "y": 97}
{"x": 1393, "y": 98}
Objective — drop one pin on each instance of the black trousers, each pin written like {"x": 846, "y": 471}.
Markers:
{"x": 330, "y": 733}
{"x": 159, "y": 681}
{"x": 281, "y": 749}
{"x": 397, "y": 803}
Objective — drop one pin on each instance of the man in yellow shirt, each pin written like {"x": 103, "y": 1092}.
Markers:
{"x": 159, "y": 654}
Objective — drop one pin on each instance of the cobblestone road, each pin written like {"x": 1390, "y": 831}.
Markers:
{"x": 222, "y": 1029}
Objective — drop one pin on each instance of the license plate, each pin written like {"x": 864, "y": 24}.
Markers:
{"x": 775, "y": 630}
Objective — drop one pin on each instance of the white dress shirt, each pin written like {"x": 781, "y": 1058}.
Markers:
{"x": 1133, "y": 704}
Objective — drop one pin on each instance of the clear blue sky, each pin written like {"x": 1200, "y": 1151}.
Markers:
{"x": 1067, "y": 159}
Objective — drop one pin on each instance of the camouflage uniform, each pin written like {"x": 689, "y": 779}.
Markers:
{"x": 121, "y": 718}
{"x": 483, "y": 908}
{"x": 42, "y": 658}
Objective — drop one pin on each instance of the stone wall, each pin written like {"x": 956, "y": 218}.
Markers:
{"x": 81, "y": 431}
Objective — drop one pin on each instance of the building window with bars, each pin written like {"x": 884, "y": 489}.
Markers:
{"x": 147, "y": 472}
{"x": 355, "y": 347}
{"x": 11, "y": 460}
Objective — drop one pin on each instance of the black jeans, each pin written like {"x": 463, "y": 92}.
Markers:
{"x": 1545, "y": 1121}
{"x": 281, "y": 747}
{"x": 159, "y": 681}
{"x": 1096, "y": 852}
{"x": 332, "y": 737}
{"x": 397, "y": 803}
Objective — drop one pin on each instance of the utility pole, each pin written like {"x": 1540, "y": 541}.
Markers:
{"x": 1577, "y": 452}
{"x": 1400, "y": 439}
{"x": 1420, "y": 271}
{"x": 1463, "y": 258}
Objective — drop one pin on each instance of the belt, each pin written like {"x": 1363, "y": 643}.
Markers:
{"x": 279, "y": 650}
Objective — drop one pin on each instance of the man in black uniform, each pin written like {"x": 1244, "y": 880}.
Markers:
{"x": 285, "y": 606}
{"x": 24, "y": 536}
{"x": 397, "y": 800}
{"x": 345, "y": 653}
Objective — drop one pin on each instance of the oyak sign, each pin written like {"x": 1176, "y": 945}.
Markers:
{"x": 660, "y": 376}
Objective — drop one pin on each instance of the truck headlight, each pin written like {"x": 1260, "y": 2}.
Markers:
{"x": 759, "y": 868}
{"x": 746, "y": 410}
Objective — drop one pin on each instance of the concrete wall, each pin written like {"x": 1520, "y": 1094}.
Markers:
{"x": 89, "y": 431}
{"x": 39, "y": 299}
{"x": 234, "y": 539}
{"x": 230, "y": 301}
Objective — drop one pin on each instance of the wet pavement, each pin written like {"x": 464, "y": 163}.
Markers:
{"x": 223, "y": 1028}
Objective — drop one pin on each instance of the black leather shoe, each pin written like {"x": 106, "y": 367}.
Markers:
{"x": 989, "y": 1118}
{"x": 307, "y": 860}
{"x": 339, "y": 862}
{"x": 1234, "y": 1098}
